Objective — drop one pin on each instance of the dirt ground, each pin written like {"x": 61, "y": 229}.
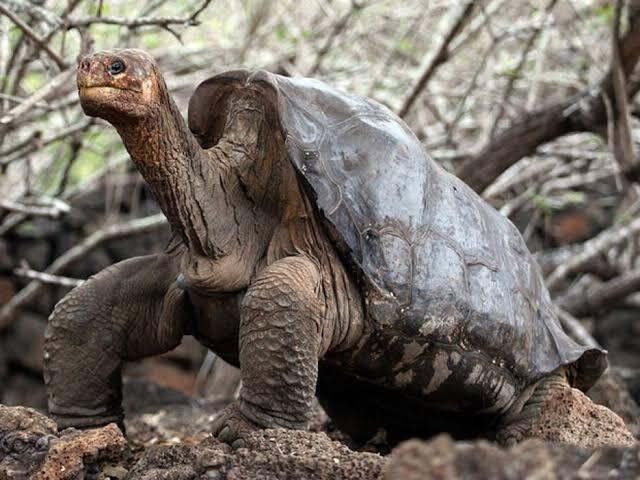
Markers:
{"x": 168, "y": 439}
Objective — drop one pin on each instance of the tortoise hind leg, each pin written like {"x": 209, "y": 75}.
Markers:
{"x": 552, "y": 410}
{"x": 130, "y": 310}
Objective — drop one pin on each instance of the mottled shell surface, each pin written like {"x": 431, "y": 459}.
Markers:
{"x": 435, "y": 260}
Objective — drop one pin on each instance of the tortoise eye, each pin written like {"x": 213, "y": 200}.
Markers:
{"x": 117, "y": 66}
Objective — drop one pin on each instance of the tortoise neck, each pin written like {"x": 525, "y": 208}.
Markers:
{"x": 166, "y": 153}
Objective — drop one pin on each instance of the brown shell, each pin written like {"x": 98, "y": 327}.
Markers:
{"x": 435, "y": 260}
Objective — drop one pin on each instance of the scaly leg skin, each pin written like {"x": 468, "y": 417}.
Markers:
{"x": 128, "y": 311}
{"x": 558, "y": 413}
{"x": 280, "y": 340}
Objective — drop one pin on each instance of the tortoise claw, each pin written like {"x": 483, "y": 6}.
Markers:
{"x": 231, "y": 426}
{"x": 510, "y": 436}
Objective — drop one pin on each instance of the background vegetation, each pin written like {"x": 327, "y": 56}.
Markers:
{"x": 533, "y": 103}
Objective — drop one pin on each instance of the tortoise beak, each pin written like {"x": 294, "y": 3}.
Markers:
{"x": 92, "y": 72}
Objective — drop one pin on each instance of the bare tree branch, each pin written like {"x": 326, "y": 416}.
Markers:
{"x": 590, "y": 301}
{"x": 516, "y": 142}
{"x": 337, "y": 28}
{"x": 620, "y": 138}
{"x": 163, "y": 22}
{"x": 62, "y": 79}
{"x": 33, "y": 146}
{"x": 54, "y": 210}
{"x": 46, "y": 278}
{"x": 41, "y": 13}
{"x": 593, "y": 248}
{"x": 516, "y": 72}
{"x": 41, "y": 42}
{"x": 458, "y": 18}
{"x": 575, "y": 329}
{"x": 585, "y": 111}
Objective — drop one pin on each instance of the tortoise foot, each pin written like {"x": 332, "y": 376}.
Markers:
{"x": 520, "y": 422}
{"x": 509, "y": 436}
{"x": 232, "y": 426}
{"x": 557, "y": 412}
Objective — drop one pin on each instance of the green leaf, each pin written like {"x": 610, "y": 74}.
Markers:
{"x": 33, "y": 81}
{"x": 605, "y": 13}
{"x": 282, "y": 32}
{"x": 575, "y": 197}
{"x": 405, "y": 46}
{"x": 85, "y": 165}
{"x": 152, "y": 40}
{"x": 27, "y": 229}
{"x": 542, "y": 203}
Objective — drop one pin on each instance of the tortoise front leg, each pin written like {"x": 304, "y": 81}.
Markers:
{"x": 130, "y": 310}
{"x": 281, "y": 326}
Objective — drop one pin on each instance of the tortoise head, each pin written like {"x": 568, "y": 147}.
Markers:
{"x": 119, "y": 84}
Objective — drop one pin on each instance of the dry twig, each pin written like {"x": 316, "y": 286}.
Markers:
{"x": 590, "y": 301}
{"x": 41, "y": 42}
{"x": 337, "y": 28}
{"x": 60, "y": 80}
{"x": 54, "y": 209}
{"x": 456, "y": 21}
{"x": 517, "y": 71}
{"x": 575, "y": 329}
{"x": 26, "y": 272}
{"x": 162, "y": 22}
{"x": 591, "y": 249}
{"x": 585, "y": 111}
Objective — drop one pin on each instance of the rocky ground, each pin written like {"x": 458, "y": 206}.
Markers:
{"x": 168, "y": 439}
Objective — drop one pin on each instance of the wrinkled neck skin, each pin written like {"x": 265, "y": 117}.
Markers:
{"x": 165, "y": 153}
{"x": 224, "y": 202}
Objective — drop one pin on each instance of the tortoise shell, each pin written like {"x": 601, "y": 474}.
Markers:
{"x": 434, "y": 260}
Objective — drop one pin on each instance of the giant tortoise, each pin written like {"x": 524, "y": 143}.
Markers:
{"x": 319, "y": 248}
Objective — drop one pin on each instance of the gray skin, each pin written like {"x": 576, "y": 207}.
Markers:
{"x": 264, "y": 270}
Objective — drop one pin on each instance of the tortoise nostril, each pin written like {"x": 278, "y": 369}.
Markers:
{"x": 85, "y": 65}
